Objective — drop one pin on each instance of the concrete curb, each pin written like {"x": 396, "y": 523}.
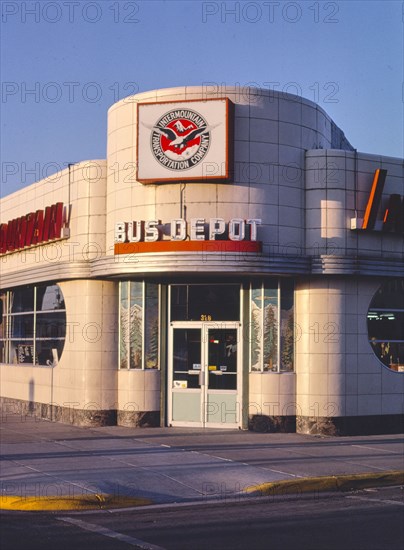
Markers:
{"x": 56, "y": 503}
{"x": 327, "y": 483}
{"x": 78, "y": 503}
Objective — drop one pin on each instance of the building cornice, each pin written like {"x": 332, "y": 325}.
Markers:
{"x": 209, "y": 263}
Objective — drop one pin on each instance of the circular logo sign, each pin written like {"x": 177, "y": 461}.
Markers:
{"x": 180, "y": 140}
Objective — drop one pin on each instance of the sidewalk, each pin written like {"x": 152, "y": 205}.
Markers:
{"x": 165, "y": 465}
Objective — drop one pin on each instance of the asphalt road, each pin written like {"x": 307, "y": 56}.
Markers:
{"x": 372, "y": 519}
{"x": 42, "y": 458}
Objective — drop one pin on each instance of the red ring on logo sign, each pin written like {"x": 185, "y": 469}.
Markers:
{"x": 180, "y": 139}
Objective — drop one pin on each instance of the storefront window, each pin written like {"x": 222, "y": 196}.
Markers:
{"x": 124, "y": 324}
{"x": 386, "y": 324}
{"x": 287, "y": 339}
{"x": 3, "y": 326}
{"x": 33, "y": 326}
{"x": 271, "y": 334}
{"x": 205, "y": 302}
{"x": 135, "y": 325}
{"x": 151, "y": 327}
{"x": 256, "y": 329}
{"x": 138, "y": 325}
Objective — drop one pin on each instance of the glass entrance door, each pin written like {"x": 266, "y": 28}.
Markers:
{"x": 204, "y": 375}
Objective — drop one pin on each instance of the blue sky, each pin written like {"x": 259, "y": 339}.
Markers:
{"x": 65, "y": 63}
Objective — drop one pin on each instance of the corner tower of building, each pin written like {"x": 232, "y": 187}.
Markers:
{"x": 234, "y": 262}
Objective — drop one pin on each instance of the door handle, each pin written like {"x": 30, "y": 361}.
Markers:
{"x": 201, "y": 378}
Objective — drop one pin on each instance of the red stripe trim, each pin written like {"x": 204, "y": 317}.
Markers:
{"x": 188, "y": 246}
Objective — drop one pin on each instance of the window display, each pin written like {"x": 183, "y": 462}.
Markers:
{"x": 386, "y": 324}
{"x": 33, "y": 327}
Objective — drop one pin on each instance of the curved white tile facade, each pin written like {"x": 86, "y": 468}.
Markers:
{"x": 295, "y": 171}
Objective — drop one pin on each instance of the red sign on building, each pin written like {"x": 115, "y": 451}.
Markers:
{"x": 34, "y": 228}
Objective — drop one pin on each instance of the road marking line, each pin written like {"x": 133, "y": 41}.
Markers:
{"x": 222, "y": 458}
{"x": 359, "y": 463}
{"x": 112, "y": 534}
{"x": 54, "y": 477}
{"x": 283, "y": 473}
{"x": 376, "y": 449}
{"x": 383, "y": 501}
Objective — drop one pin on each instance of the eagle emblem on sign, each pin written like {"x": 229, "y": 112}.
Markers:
{"x": 180, "y": 139}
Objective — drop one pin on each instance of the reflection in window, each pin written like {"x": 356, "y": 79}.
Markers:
{"x": 151, "y": 327}
{"x": 123, "y": 324}
{"x": 271, "y": 336}
{"x": 135, "y": 325}
{"x": 138, "y": 325}
{"x": 33, "y": 326}
{"x": 287, "y": 326}
{"x": 385, "y": 320}
{"x": 22, "y": 326}
{"x": 222, "y": 359}
{"x": 186, "y": 358}
{"x": 205, "y": 302}
{"x": 271, "y": 317}
{"x": 3, "y": 325}
{"x": 256, "y": 329}
{"x": 22, "y": 299}
{"x": 49, "y": 298}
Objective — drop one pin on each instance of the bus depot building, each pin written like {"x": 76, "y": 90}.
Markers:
{"x": 233, "y": 263}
